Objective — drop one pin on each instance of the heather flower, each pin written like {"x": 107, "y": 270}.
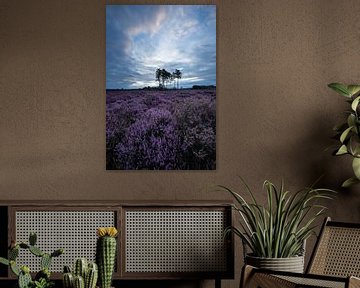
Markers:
{"x": 161, "y": 129}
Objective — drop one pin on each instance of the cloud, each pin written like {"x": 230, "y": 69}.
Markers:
{"x": 150, "y": 25}
{"x": 142, "y": 38}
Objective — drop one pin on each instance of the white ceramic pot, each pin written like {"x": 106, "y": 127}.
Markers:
{"x": 291, "y": 264}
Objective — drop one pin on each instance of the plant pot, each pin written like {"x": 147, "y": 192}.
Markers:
{"x": 291, "y": 264}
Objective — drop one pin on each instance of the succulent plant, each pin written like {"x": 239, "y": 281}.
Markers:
{"x": 85, "y": 275}
{"x": 91, "y": 276}
{"x": 106, "y": 254}
{"x": 80, "y": 268}
{"x": 79, "y": 282}
{"x": 42, "y": 278}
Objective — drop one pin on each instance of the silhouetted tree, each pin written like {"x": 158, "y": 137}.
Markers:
{"x": 158, "y": 76}
{"x": 177, "y": 73}
{"x": 164, "y": 77}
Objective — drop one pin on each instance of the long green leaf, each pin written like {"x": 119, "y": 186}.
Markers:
{"x": 345, "y": 134}
{"x": 355, "y": 103}
{"x": 340, "y": 88}
{"x": 349, "y": 182}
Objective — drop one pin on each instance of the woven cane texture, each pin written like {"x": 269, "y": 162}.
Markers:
{"x": 75, "y": 231}
{"x": 175, "y": 241}
{"x": 305, "y": 282}
{"x": 338, "y": 252}
{"x": 260, "y": 280}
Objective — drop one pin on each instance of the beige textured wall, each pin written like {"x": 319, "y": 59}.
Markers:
{"x": 274, "y": 111}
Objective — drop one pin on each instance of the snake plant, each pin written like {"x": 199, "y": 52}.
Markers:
{"x": 279, "y": 228}
{"x": 348, "y": 132}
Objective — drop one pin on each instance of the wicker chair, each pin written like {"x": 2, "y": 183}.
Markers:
{"x": 334, "y": 263}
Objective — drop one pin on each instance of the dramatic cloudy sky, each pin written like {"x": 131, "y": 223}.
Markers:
{"x": 142, "y": 38}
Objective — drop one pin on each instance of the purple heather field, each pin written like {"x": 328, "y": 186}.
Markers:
{"x": 161, "y": 129}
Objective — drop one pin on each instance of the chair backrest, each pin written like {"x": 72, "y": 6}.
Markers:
{"x": 337, "y": 251}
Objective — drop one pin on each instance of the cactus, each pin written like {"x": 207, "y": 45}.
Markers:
{"x": 80, "y": 268}
{"x": 13, "y": 253}
{"x": 14, "y": 268}
{"x": 24, "y": 280}
{"x": 91, "y": 276}
{"x": 42, "y": 278}
{"x": 68, "y": 280}
{"x": 45, "y": 261}
{"x": 89, "y": 272}
{"x": 24, "y": 245}
{"x": 44, "y": 273}
{"x": 36, "y": 251}
{"x": 106, "y": 254}
{"x": 57, "y": 252}
{"x": 67, "y": 269}
{"x": 79, "y": 282}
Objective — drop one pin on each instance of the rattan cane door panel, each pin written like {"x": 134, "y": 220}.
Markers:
{"x": 174, "y": 241}
{"x": 74, "y": 230}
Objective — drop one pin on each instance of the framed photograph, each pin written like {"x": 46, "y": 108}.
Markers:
{"x": 160, "y": 87}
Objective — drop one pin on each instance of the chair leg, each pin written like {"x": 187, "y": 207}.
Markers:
{"x": 217, "y": 283}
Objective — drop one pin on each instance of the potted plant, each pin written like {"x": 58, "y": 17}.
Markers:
{"x": 84, "y": 274}
{"x": 348, "y": 132}
{"x": 276, "y": 233}
{"x": 42, "y": 278}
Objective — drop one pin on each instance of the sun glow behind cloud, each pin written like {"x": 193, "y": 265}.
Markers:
{"x": 142, "y": 38}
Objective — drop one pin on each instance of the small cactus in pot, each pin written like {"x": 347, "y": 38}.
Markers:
{"x": 85, "y": 275}
{"x": 106, "y": 254}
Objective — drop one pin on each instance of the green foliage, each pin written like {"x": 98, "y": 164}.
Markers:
{"x": 105, "y": 259}
{"x": 42, "y": 278}
{"x": 24, "y": 279}
{"x": 42, "y": 283}
{"x": 36, "y": 251}
{"x": 32, "y": 239}
{"x": 279, "y": 229}
{"x": 68, "y": 280}
{"x": 81, "y": 267}
{"x": 45, "y": 261}
{"x": 85, "y": 275}
{"x": 348, "y": 132}
{"x": 79, "y": 282}
{"x": 4, "y": 261}
{"x": 13, "y": 253}
{"x": 91, "y": 276}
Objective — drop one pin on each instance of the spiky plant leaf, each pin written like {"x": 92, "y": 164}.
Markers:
{"x": 280, "y": 228}
{"x": 340, "y": 88}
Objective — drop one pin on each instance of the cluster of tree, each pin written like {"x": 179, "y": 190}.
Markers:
{"x": 164, "y": 77}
